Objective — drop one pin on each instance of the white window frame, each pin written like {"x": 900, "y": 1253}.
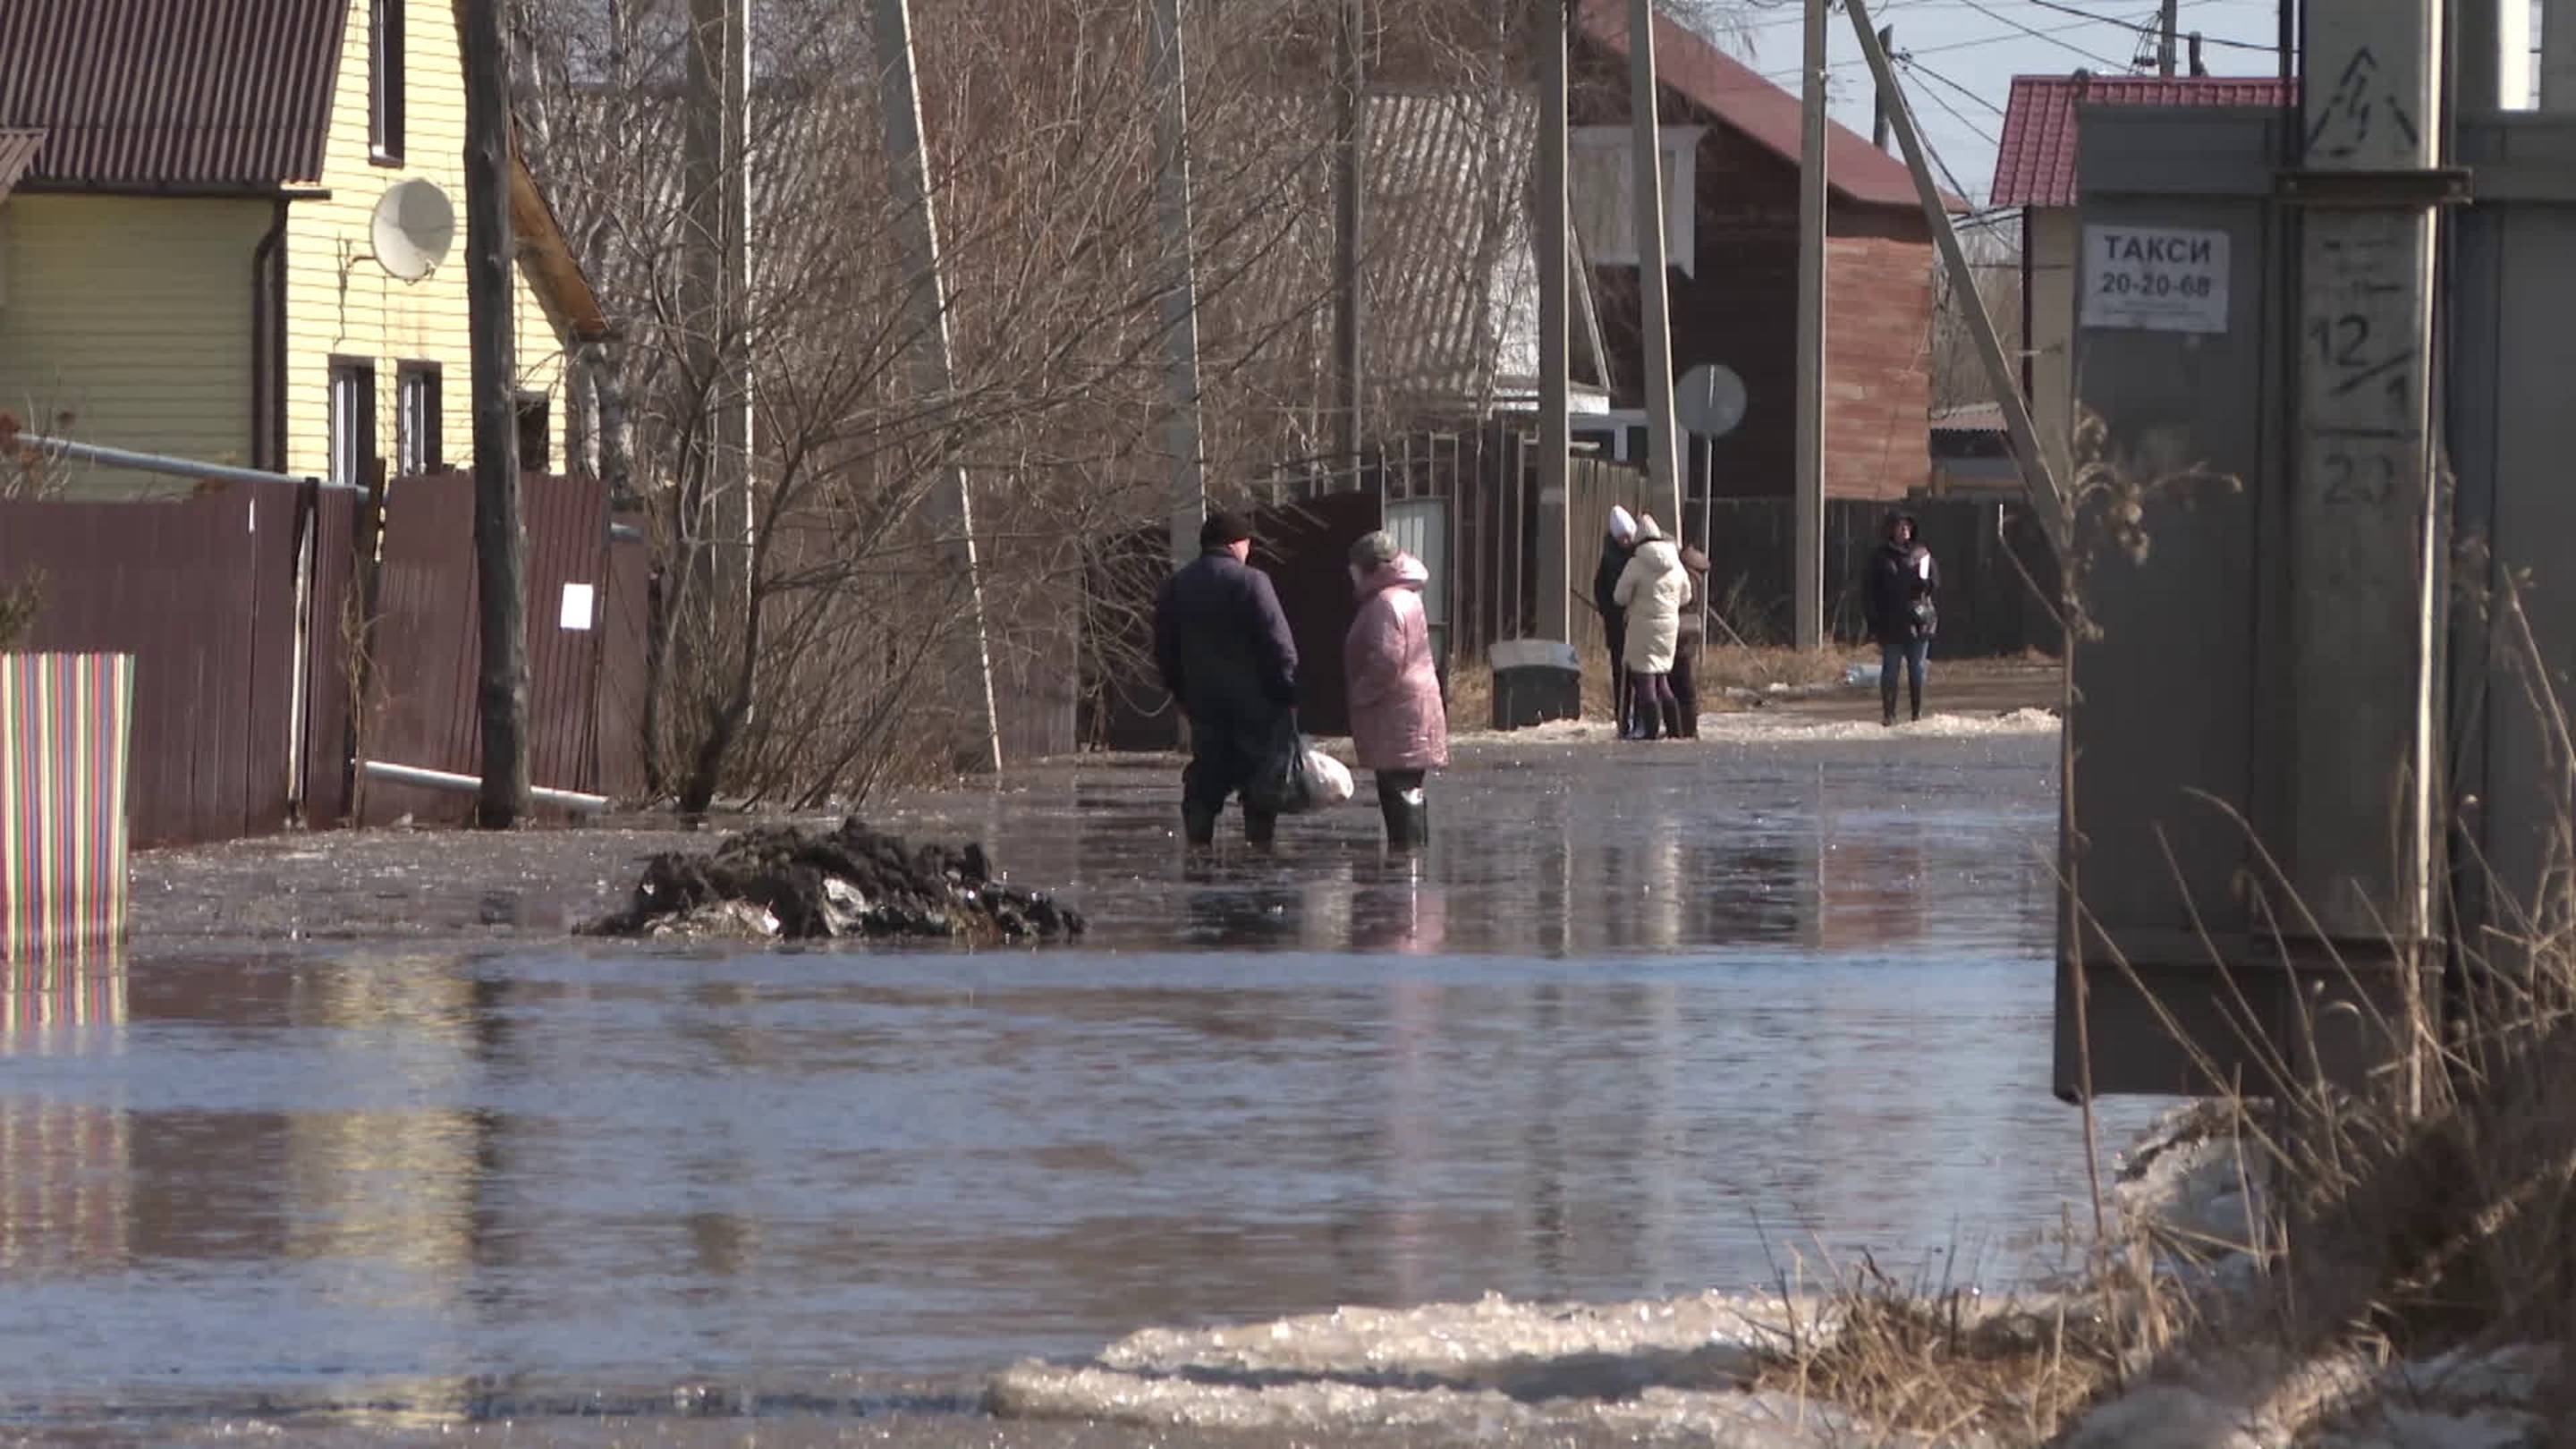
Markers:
{"x": 1599, "y": 192}
{"x": 412, "y": 426}
{"x": 352, "y": 447}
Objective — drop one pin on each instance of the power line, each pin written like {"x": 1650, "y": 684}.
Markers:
{"x": 1973, "y": 128}
{"x": 1950, "y": 45}
{"x": 2063, "y": 8}
{"x": 1907, "y": 60}
{"x": 2038, "y": 34}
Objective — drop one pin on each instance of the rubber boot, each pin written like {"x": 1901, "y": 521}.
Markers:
{"x": 1408, "y": 818}
{"x": 1914, "y": 690}
{"x": 1887, "y": 702}
{"x": 1260, "y": 831}
{"x": 1198, "y": 825}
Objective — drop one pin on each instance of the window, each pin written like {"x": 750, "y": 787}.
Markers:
{"x": 1605, "y": 212}
{"x": 385, "y": 82}
{"x": 416, "y": 440}
{"x": 353, "y": 422}
{"x": 534, "y": 450}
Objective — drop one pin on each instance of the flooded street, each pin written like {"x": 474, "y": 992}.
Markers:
{"x": 1645, "y": 1021}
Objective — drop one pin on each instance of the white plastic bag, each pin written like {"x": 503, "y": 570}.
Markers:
{"x": 1332, "y": 779}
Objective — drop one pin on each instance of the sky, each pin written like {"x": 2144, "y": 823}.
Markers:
{"x": 1964, "y": 54}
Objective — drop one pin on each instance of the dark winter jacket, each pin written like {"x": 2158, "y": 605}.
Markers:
{"x": 1897, "y": 595}
{"x": 1223, "y": 645}
{"x": 1695, "y": 603}
{"x": 1605, "y": 579}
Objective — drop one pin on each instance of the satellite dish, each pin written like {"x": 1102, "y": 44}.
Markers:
{"x": 1709, "y": 400}
{"x": 414, "y": 226}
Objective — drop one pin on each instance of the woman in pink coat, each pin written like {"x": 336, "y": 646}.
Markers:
{"x": 1398, "y": 723}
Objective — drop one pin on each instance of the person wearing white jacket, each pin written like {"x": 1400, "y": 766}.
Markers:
{"x": 1651, "y": 590}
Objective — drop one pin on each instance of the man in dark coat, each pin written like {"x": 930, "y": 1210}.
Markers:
{"x": 1617, "y": 547}
{"x": 1225, "y": 653}
{"x": 1896, "y": 600}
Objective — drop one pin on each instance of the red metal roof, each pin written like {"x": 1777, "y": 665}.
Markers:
{"x": 177, "y": 93}
{"x": 2035, "y": 162}
{"x": 1745, "y": 101}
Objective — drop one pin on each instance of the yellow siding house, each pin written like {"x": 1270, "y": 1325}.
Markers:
{"x": 190, "y": 258}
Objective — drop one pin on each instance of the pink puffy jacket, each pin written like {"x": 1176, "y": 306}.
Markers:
{"x": 1397, "y": 719}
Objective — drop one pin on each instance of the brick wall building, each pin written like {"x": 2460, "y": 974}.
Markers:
{"x": 1734, "y": 278}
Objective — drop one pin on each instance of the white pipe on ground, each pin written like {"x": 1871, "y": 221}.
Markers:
{"x": 393, "y": 774}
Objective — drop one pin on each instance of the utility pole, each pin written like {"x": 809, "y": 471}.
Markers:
{"x": 2363, "y": 534}
{"x": 1808, "y": 483}
{"x": 1549, "y": 228}
{"x": 1350, "y": 135}
{"x": 970, "y": 661}
{"x": 1877, "y": 100}
{"x": 1646, "y": 160}
{"x": 2558, "y": 56}
{"x": 716, "y": 202}
{"x": 1186, "y": 499}
{"x": 500, "y": 544}
{"x": 2039, "y": 481}
{"x": 2168, "y": 16}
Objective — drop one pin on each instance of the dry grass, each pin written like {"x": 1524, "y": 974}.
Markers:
{"x": 1471, "y": 697}
{"x": 1727, "y": 666}
{"x": 19, "y": 606}
{"x": 1949, "y": 1367}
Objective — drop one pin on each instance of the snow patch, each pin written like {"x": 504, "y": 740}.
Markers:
{"x": 1763, "y": 725}
{"x": 1648, "y": 1369}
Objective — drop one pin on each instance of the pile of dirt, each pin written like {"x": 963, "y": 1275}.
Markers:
{"x": 789, "y": 883}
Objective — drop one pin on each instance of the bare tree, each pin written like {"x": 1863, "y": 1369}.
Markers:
{"x": 1958, "y": 377}
{"x": 818, "y": 681}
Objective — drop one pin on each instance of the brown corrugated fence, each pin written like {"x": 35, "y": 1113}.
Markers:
{"x": 241, "y": 609}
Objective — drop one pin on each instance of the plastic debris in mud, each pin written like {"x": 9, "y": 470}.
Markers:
{"x": 783, "y": 882}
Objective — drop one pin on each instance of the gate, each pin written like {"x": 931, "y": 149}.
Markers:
{"x": 422, "y": 705}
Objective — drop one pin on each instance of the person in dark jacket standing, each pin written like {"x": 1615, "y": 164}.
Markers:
{"x": 1616, "y": 549}
{"x": 1225, "y": 653}
{"x": 1898, "y": 605}
{"x": 1683, "y": 719}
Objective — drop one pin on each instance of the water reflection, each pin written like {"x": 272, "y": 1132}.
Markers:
{"x": 1582, "y": 1048}
{"x": 66, "y": 1178}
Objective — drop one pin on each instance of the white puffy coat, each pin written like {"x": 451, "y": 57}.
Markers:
{"x": 1652, "y": 590}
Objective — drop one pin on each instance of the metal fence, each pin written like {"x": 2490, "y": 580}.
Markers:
{"x": 244, "y": 612}
{"x": 422, "y": 706}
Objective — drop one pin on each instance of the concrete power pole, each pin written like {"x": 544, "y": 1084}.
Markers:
{"x": 970, "y": 661}
{"x": 1654, "y": 293}
{"x": 1186, "y": 500}
{"x": 1877, "y": 99}
{"x": 2363, "y": 516}
{"x": 1549, "y": 228}
{"x": 1350, "y": 135}
{"x": 1808, "y": 483}
{"x": 2168, "y": 17}
{"x": 500, "y": 542}
{"x": 717, "y": 202}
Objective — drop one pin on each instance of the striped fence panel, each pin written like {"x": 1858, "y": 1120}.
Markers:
{"x": 66, "y": 735}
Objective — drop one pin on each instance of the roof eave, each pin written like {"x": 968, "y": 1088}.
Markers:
{"x": 546, "y": 255}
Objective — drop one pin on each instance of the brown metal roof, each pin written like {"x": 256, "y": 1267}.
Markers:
{"x": 171, "y": 93}
{"x": 2035, "y": 164}
{"x": 1742, "y": 99}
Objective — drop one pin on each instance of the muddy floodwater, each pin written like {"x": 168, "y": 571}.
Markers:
{"x": 355, "y": 1128}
